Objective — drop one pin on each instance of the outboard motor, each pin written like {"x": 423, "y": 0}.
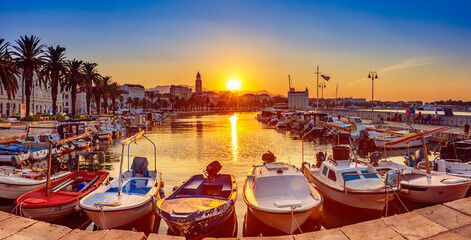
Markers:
{"x": 375, "y": 157}
{"x": 56, "y": 165}
{"x": 419, "y": 155}
{"x": 268, "y": 157}
{"x": 364, "y": 143}
{"x": 212, "y": 170}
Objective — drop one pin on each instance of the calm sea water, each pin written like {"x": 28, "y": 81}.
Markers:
{"x": 186, "y": 145}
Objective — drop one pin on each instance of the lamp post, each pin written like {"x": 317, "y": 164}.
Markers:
{"x": 372, "y": 75}
{"x": 322, "y": 86}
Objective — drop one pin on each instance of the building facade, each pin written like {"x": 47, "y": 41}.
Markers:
{"x": 134, "y": 91}
{"x": 181, "y": 92}
{"x": 298, "y": 99}
{"x": 198, "y": 84}
{"x": 41, "y": 100}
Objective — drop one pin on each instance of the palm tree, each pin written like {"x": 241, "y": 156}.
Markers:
{"x": 74, "y": 78}
{"x": 8, "y": 71}
{"x": 115, "y": 94}
{"x": 28, "y": 56}
{"x": 105, "y": 90}
{"x": 91, "y": 76}
{"x": 54, "y": 71}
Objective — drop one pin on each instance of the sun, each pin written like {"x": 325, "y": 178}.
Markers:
{"x": 233, "y": 84}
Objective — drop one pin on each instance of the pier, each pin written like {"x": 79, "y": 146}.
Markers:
{"x": 450, "y": 220}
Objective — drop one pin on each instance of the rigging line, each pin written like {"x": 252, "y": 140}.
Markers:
{"x": 292, "y": 215}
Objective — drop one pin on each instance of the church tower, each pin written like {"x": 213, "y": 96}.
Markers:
{"x": 198, "y": 84}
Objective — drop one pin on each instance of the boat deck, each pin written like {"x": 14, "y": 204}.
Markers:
{"x": 190, "y": 204}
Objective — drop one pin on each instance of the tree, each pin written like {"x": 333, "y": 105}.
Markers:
{"x": 29, "y": 57}
{"x": 54, "y": 70}
{"x": 115, "y": 94}
{"x": 74, "y": 77}
{"x": 91, "y": 77}
{"x": 8, "y": 71}
{"x": 105, "y": 90}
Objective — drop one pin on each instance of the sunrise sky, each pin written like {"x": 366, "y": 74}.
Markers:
{"x": 421, "y": 50}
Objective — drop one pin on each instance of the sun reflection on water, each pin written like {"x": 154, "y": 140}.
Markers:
{"x": 235, "y": 145}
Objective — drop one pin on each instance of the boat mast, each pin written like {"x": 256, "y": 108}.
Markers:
{"x": 317, "y": 87}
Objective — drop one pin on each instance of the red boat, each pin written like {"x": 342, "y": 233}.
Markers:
{"x": 64, "y": 197}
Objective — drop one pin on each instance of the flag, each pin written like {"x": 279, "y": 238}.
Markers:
{"x": 325, "y": 77}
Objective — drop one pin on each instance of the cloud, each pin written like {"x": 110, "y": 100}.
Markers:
{"x": 410, "y": 63}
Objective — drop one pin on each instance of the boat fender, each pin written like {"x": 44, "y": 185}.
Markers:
{"x": 161, "y": 193}
{"x": 279, "y": 170}
{"x": 449, "y": 181}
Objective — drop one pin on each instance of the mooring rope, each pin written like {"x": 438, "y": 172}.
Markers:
{"x": 17, "y": 207}
{"x": 292, "y": 215}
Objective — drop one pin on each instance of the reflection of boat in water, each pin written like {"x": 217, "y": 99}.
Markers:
{"x": 341, "y": 179}
{"x": 278, "y": 195}
{"x": 200, "y": 204}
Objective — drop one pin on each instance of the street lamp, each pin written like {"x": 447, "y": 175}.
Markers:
{"x": 372, "y": 75}
{"x": 322, "y": 86}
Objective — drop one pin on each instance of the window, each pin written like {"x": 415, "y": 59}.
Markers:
{"x": 369, "y": 175}
{"x": 350, "y": 177}
{"x": 332, "y": 176}
{"x": 324, "y": 171}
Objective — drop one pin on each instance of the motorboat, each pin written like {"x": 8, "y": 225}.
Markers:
{"x": 342, "y": 179}
{"x": 128, "y": 197}
{"x": 201, "y": 204}
{"x": 381, "y": 141}
{"x": 278, "y": 195}
{"x": 34, "y": 153}
{"x": 15, "y": 182}
{"x": 9, "y": 157}
{"x": 425, "y": 186}
{"x": 457, "y": 150}
{"x": 62, "y": 199}
{"x": 431, "y": 188}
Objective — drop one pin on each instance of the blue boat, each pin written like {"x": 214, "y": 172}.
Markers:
{"x": 200, "y": 204}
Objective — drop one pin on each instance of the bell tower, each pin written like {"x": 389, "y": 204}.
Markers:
{"x": 198, "y": 84}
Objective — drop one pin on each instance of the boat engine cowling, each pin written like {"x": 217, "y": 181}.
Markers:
{"x": 212, "y": 170}
{"x": 320, "y": 156}
{"x": 268, "y": 157}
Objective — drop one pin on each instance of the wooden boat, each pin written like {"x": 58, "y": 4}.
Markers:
{"x": 64, "y": 197}
{"x": 278, "y": 195}
{"x": 341, "y": 179}
{"x": 127, "y": 198}
{"x": 16, "y": 182}
{"x": 200, "y": 204}
{"x": 382, "y": 141}
{"x": 34, "y": 153}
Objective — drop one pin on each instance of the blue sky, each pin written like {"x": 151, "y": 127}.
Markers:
{"x": 417, "y": 47}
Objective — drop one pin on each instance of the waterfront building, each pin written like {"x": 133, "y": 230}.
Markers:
{"x": 198, "y": 84}
{"x": 41, "y": 100}
{"x": 134, "y": 91}
{"x": 182, "y": 92}
{"x": 81, "y": 101}
{"x": 298, "y": 99}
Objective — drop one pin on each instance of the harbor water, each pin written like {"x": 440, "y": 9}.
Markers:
{"x": 187, "y": 144}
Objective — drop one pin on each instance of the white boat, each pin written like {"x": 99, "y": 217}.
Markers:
{"x": 431, "y": 188}
{"x": 16, "y": 182}
{"x": 381, "y": 141}
{"x": 127, "y": 198}
{"x": 278, "y": 195}
{"x": 7, "y": 157}
{"x": 350, "y": 183}
{"x": 452, "y": 167}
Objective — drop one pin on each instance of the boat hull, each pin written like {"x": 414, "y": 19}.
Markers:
{"x": 13, "y": 191}
{"x": 369, "y": 201}
{"x": 119, "y": 218}
{"x": 433, "y": 195}
{"x": 287, "y": 222}
{"x": 379, "y": 142}
{"x": 50, "y": 213}
{"x": 201, "y": 227}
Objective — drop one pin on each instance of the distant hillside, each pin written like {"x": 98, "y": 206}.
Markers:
{"x": 166, "y": 89}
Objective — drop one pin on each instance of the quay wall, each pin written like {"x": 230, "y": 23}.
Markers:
{"x": 450, "y": 220}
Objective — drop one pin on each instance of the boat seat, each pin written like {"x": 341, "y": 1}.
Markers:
{"x": 192, "y": 187}
{"x": 211, "y": 189}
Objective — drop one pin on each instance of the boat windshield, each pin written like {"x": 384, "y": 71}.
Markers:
{"x": 355, "y": 175}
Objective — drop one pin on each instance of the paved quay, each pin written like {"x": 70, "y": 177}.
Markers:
{"x": 450, "y": 220}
